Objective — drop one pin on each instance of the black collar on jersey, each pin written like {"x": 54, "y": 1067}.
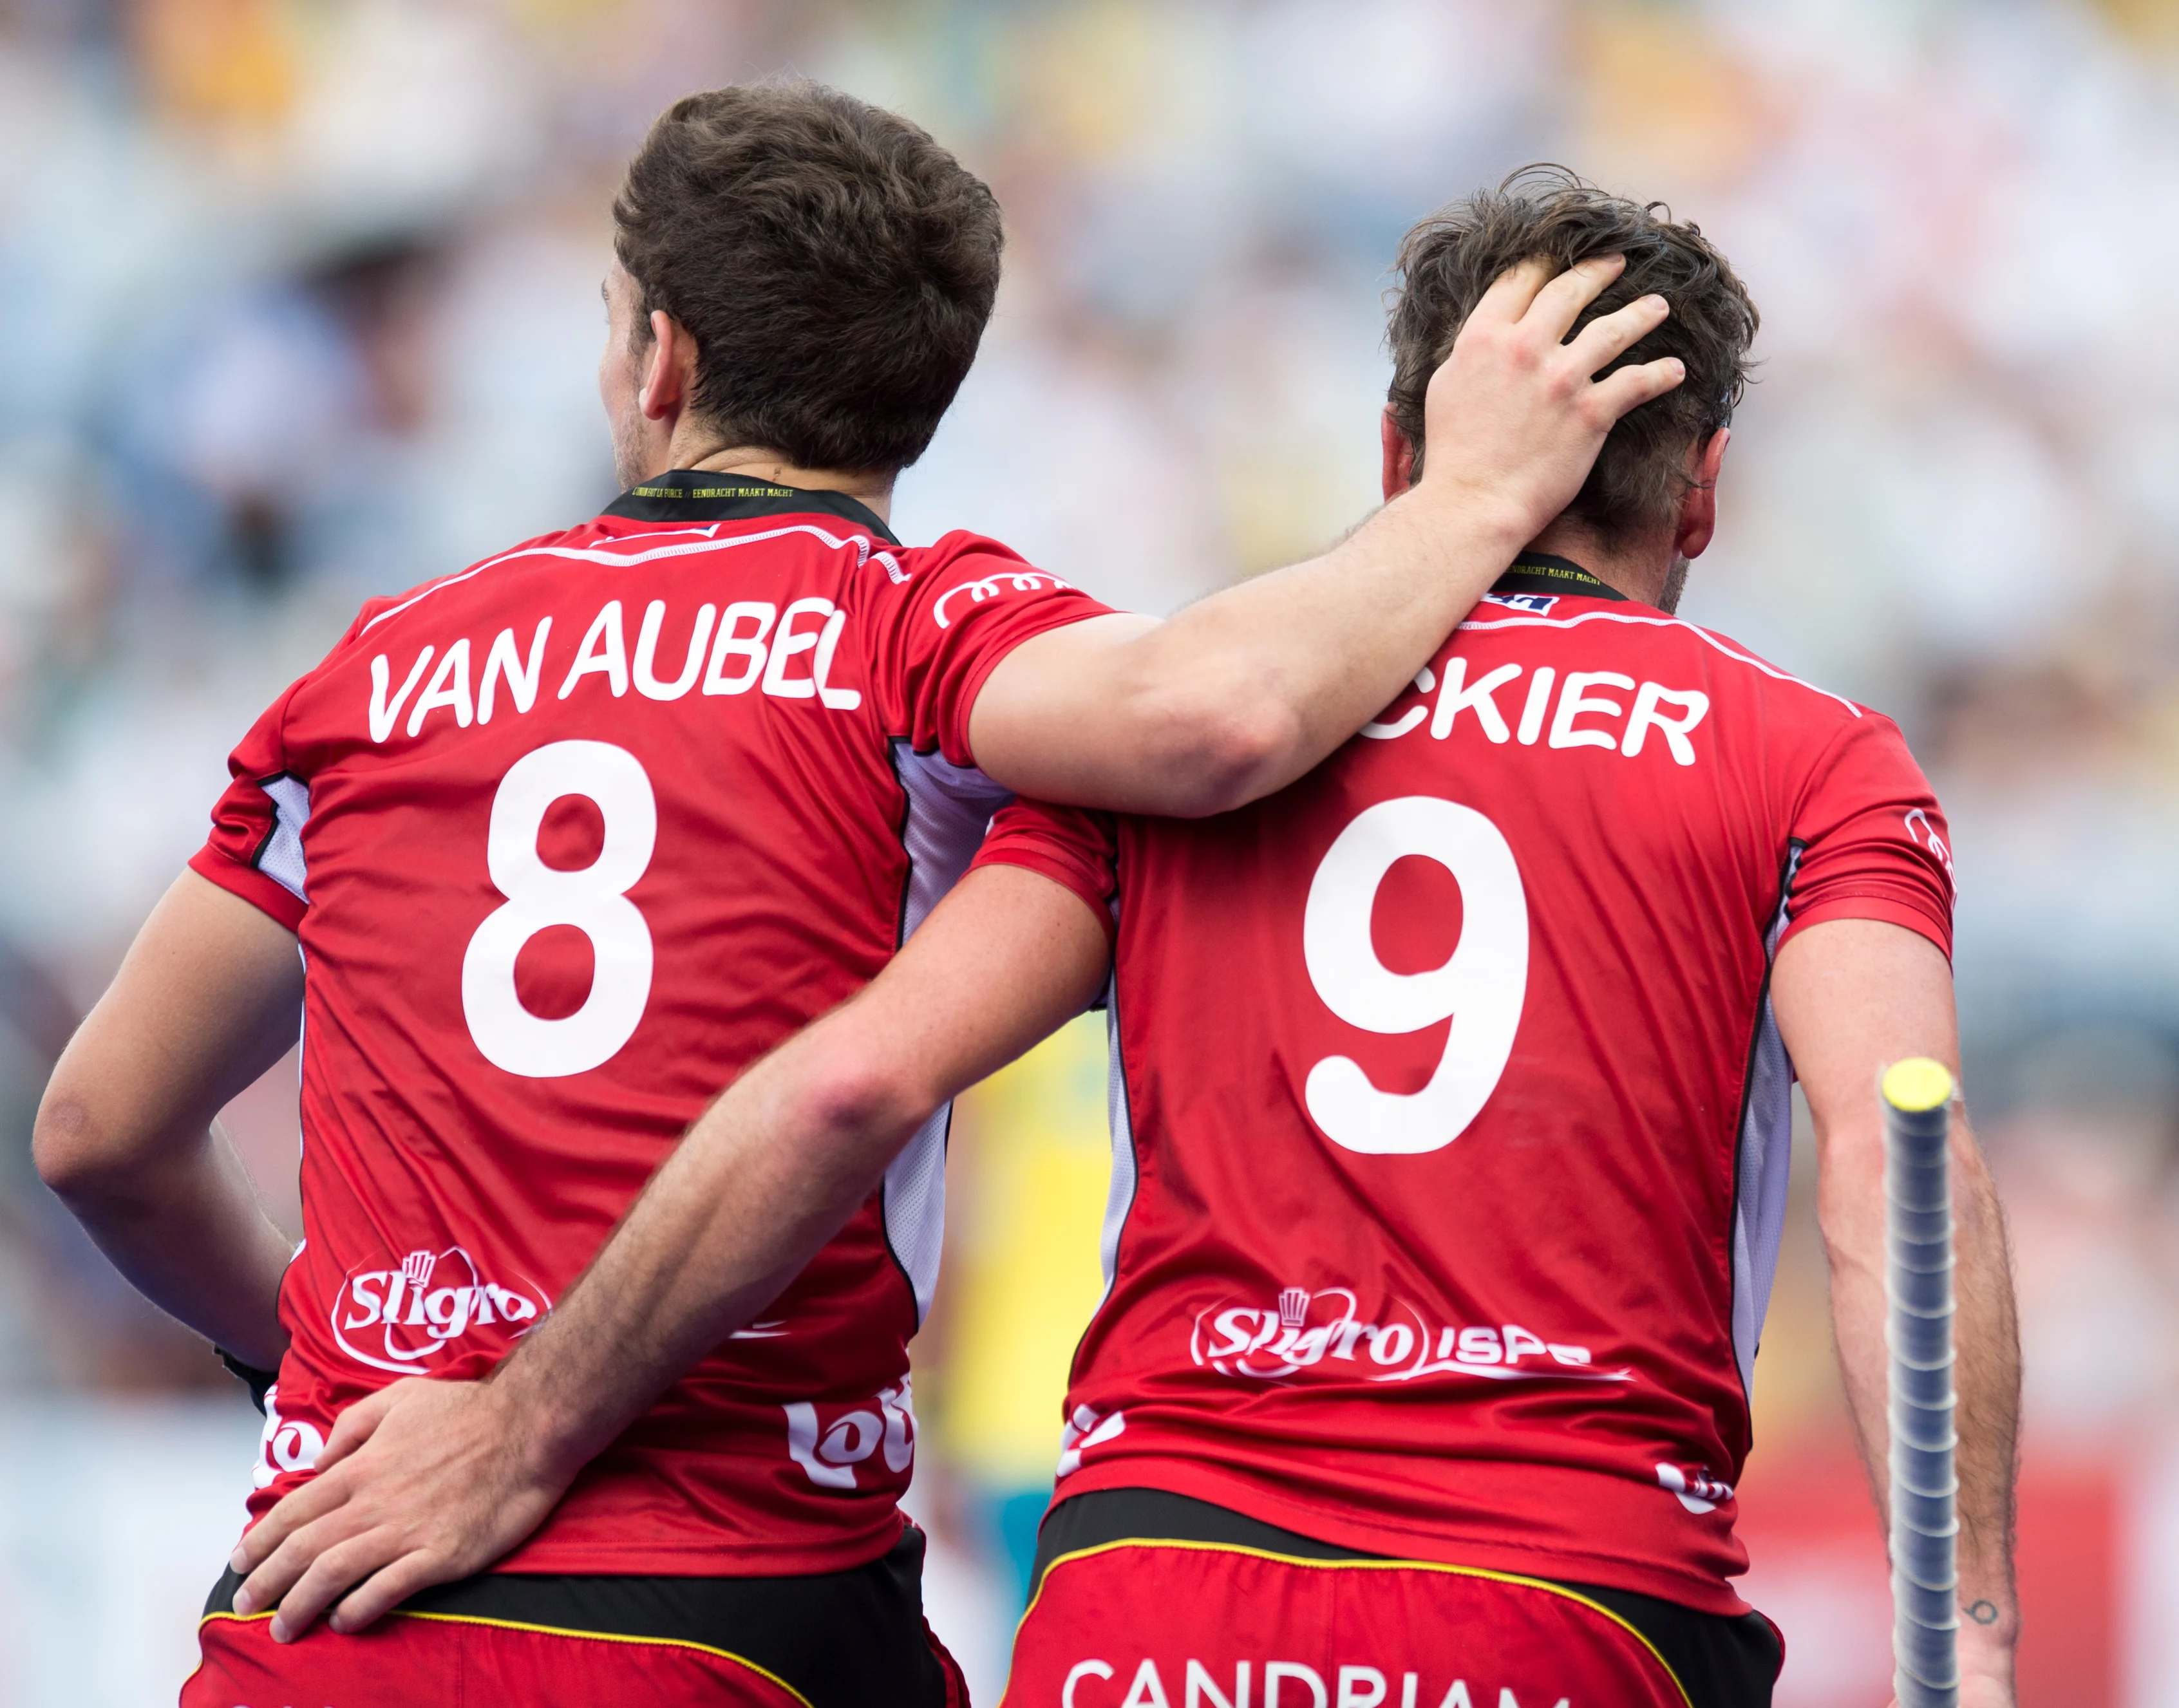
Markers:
{"x": 1539, "y": 571}
{"x": 690, "y": 494}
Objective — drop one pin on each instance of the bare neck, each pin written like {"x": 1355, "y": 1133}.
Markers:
{"x": 1643, "y": 570}
{"x": 691, "y": 447}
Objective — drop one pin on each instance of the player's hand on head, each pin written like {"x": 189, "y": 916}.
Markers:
{"x": 1515, "y": 415}
{"x": 421, "y": 1483}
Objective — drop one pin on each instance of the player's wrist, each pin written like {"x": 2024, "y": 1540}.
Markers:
{"x": 548, "y": 1439}
{"x": 544, "y": 1438}
{"x": 1987, "y": 1638}
{"x": 1989, "y": 1634}
{"x": 1460, "y": 512}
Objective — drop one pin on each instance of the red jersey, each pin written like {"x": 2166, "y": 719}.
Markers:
{"x": 1451, "y": 1124}
{"x": 569, "y": 840}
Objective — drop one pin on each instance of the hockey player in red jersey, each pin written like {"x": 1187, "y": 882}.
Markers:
{"x": 1450, "y": 1132}
{"x": 570, "y": 837}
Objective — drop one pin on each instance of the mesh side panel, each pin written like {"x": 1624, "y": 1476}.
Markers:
{"x": 1121, "y": 1197}
{"x": 949, "y": 808}
{"x": 915, "y": 1208}
{"x": 281, "y": 860}
{"x": 1766, "y": 1168}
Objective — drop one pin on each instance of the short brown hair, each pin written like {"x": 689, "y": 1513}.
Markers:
{"x": 1449, "y": 260}
{"x": 835, "y": 266}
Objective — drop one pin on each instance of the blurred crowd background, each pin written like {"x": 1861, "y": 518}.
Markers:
{"x": 298, "y": 304}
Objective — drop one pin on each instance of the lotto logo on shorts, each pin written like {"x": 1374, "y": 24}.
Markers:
{"x": 1322, "y": 1330}
{"x": 404, "y": 1318}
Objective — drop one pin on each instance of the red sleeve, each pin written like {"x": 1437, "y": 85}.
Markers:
{"x": 1875, "y": 842}
{"x": 1074, "y": 847}
{"x": 256, "y": 848}
{"x": 968, "y": 602}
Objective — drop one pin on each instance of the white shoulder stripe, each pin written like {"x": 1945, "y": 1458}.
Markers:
{"x": 1702, "y": 634}
{"x": 861, "y": 542}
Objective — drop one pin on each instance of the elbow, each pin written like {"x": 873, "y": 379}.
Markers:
{"x": 1238, "y": 746}
{"x": 864, "y": 1102}
{"x": 1850, "y": 1212}
{"x": 71, "y": 1151}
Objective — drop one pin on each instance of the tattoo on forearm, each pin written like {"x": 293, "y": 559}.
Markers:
{"x": 1983, "y": 1612}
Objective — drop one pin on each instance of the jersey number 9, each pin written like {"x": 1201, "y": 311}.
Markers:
{"x": 1480, "y": 988}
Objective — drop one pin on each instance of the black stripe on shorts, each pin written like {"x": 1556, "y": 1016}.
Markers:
{"x": 1720, "y": 1662}
{"x": 842, "y": 1639}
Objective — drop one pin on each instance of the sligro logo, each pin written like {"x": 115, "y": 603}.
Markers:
{"x": 403, "y": 1319}
{"x": 1305, "y": 1329}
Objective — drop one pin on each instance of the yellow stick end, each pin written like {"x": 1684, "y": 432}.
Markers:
{"x": 1917, "y": 1085}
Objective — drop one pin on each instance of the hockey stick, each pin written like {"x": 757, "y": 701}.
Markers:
{"x": 1918, "y": 1102}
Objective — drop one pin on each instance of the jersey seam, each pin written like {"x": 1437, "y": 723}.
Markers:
{"x": 1134, "y": 1134}
{"x": 1439, "y": 1567}
{"x": 247, "y": 877}
{"x": 1702, "y": 634}
{"x": 1853, "y": 891}
{"x": 1781, "y": 921}
{"x": 582, "y": 553}
{"x": 893, "y": 745}
{"x": 554, "y": 1631}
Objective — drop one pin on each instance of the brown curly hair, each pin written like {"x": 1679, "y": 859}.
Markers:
{"x": 1449, "y": 260}
{"x": 834, "y": 265}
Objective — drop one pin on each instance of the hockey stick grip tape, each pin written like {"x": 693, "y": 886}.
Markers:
{"x": 1917, "y": 1099}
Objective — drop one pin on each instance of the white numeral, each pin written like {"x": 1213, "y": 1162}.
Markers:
{"x": 1481, "y": 987}
{"x": 594, "y": 901}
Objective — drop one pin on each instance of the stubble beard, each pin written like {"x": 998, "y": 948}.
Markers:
{"x": 628, "y": 462}
{"x": 1675, "y": 583}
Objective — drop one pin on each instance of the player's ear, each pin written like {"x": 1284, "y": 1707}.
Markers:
{"x": 1698, "y": 509}
{"x": 1399, "y": 459}
{"x": 666, "y": 371}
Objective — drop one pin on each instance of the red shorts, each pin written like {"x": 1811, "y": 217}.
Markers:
{"x": 1173, "y": 1625}
{"x": 433, "y": 1661}
{"x": 525, "y": 1640}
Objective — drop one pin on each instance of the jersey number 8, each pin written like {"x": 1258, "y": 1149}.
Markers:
{"x": 1481, "y": 987}
{"x": 594, "y": 900}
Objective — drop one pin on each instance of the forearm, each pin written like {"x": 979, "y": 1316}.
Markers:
{"x": 1986, "y": 1369}
{"x": 763, "y": 1179}
{"x": 774, "y": 1167}
{"x": 1236, "y": 696}
{"x": 190, "y": 1234}
{"x": 1311, "y": 652}
{"x": 1988, "y": 1333}
{"x": 1239, "y": 695}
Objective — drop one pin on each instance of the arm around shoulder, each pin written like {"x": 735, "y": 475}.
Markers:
{"x": 1240, "y": 693}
